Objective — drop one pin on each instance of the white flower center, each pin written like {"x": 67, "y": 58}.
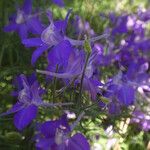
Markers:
{"x": 20, "y": 17}
{"x": 59, "y": 136}
{"x": 50, "y": 37}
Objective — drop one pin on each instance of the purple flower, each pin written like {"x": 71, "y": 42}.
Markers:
{"x": 144, "y": 15}
{"x": 59, "y": 56}
{"x": 126, "y": 94}
{"x": 50, "y": 37}
{"x": 121, "y": 25}
{"x": 26, "y": 107}
{"x": 120, "y": 93}
{"x": 141, "y": 119}
{"x": 18, "y": 84}
{"x": 75, "y": 68}
{"x": 24, "y": 22}
{"x": 55, "y": 135}
{"x": 82, "y": 28}
{"x": 54, "y": 38}
{"x": 121, "y": 90}
{"x": 60, "y": 3}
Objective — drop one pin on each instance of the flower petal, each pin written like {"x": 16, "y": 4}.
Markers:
{"x": 35, "y": 93}
{"x": 15, "y": 108}
{"x": 35, "y": 25}
{"x": 25, "y": 116}
{"x": 126, "y": 95}
{"x": 61, "y": 25}
{"x": 78, "y": 142}
{"x": 11, "y": 27}
{"x": 88, "y": 84}
{"x": 27, "y": 6}
{"x": 114, "y": 108}
{"x": 45, "y": 144}
{"x": 37, "y": 53}
{"x": 48, "y": 129}
{"x": 23, "y": 33}
{"x": 59, "y": 55}
{"x": 32, "y": 42}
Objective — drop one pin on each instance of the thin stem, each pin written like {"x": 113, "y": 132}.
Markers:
{"x": 58, "y": 75}
{"x": 2, "y": 35}
{"x": 82, "y": 77}
{"x": 54, "y": 84}
{"x": 77, "y": 121}
{"x": 45, "y": 104}
{"x": 64, "y": 88}
{"x": 1, "y": 55}
{"x": 81, "y": 42}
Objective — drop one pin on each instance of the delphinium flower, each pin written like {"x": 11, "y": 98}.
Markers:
{"x": 120, "y": 25}
{"x": 29, "y": 98}
{"x": 76, "y": 68}
{"x": 54, "y": 37}
{"x": 24, "y": 21}
{"x": 82, "y": 28}
{"x": 55, "y": 135}
{"x": 135, "y": 71}
{"x": 18, "y": 83}
{"x": 50, "y": 37}
{"x": 119, "y": 92}
{"x": 70, "y": 59}
{"x": 104, "y": 58}
{"x": 144, "y": 15}
{"x": 141, "y": 119}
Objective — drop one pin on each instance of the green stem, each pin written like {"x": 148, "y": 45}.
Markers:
{"x": 82, "y": 78}
{"x": 64, "y": 88}
{"x": 1, "y": 55}
{"x": 2, "y": 35}
{"x": 54, "y": 84}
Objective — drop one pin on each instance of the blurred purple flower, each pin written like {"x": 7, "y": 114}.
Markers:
{"x": 141, "y": 119}
{"x": 120, "y": 93}
{"x": 144, "y": 15}
{"x": 23, "y": 21}
{"x": 120, "y": 25}
{"x": 60, "y": 3}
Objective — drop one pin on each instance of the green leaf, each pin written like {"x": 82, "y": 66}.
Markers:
{"x": 87, "y": 45}
{"x": 13, "y": 137}
{"x": 104, "y": 100}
